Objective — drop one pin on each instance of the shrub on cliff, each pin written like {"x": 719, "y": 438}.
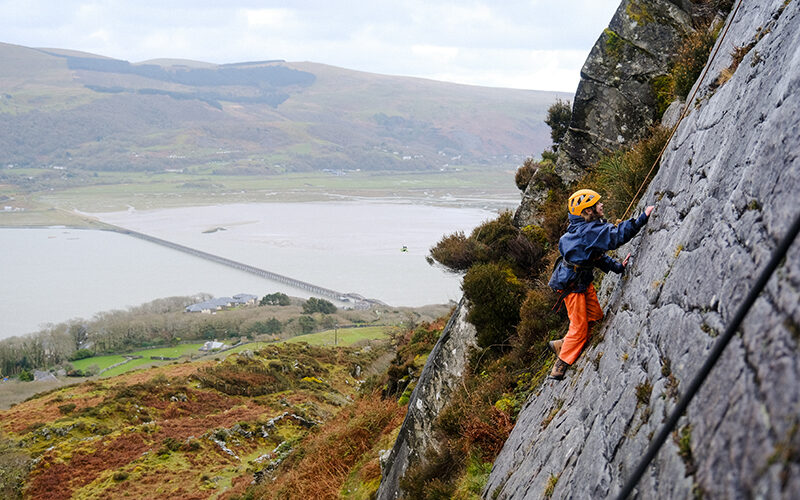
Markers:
{"x": 619, "y": 175}
{"x": 692, "y": 57}
{"x": 524, "y": 173}
{"x": 455, "y": 251}
{"x": 493, "y": 241}
{"x": 559, "y": 115}
{"x": 537, "y": 323}
{"x": 495, "y": 295}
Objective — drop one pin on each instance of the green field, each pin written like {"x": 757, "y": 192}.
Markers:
{"x": 343, "y": 336}
{"x": 103, "y": 362}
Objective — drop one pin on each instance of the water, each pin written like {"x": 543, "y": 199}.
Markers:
{"x": 52, "y": 275}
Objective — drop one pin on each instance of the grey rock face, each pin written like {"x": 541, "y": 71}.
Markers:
{"x": 725, "y": 194}
{"x": 441, "y": 374}
{"x": 614, "y": 103}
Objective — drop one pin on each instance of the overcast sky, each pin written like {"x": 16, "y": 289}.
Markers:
{"x": 533, "y": 44}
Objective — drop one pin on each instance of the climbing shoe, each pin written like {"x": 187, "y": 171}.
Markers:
{"x": 559, "y": 369}
{"x": 555, "y": 346}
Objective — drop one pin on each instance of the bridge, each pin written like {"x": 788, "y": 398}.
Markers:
{"x": 316, "y": 290}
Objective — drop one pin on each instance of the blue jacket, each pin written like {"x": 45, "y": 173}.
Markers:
{"x": 583, "y": 248}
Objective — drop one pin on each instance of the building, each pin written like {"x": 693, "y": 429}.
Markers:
{"x": 220, "y": 303}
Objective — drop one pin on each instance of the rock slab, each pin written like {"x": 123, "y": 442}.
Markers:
{"x": 439, "y": 378}
{"x": 726, "y": 192}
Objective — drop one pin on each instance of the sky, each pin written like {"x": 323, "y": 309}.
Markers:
{"x": 533, "y": 44}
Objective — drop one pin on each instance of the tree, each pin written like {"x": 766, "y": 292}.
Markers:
{"x": 275, "y": 299}
{"x": 81, "y": 354}
{"x": 323, "y": 306}
{"x": 558, "y": 118}
{"x": 208, "y": 331}
{"x": 272, "y": 325}
{"x": 307, "y": 324}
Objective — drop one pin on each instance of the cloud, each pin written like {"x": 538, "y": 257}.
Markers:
{"x": 269, "y": 18}
{"x": 534, "y": 44}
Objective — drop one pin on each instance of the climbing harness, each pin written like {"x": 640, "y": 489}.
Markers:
{"x": 576, "y": 268}
{"x": 775, "y": 260}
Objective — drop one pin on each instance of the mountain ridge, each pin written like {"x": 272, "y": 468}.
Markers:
{"x": 70, "y": 108}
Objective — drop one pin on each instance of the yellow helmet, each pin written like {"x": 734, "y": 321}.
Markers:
{"x": 581, "y": 199}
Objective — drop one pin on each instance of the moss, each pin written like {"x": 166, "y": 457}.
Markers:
{"x": 551, "y": 486}
{"x": 596, "y": 360}
{"x": 643, "y": 392}
{"x": 639, "y": 13}
{"x": 614, "y": 43}
{"x": 793, "y": 327}
{"x": 406, "y": 396}
{"x": 663, "y": 91}
{"x": 786, "y": 453}
{"x": 559, "y": 404}
{"x": 475, "y": 477}
{"x": 507, "y": 404}
{"x": 683, "y": 438}
{"x": 712, "y": 332}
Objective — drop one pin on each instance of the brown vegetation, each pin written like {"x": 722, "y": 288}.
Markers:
{"x": 158, "y": 431}
{"x": 325, "y": 458}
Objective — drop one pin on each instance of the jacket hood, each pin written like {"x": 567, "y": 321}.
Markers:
{"x": 575, "y": 221}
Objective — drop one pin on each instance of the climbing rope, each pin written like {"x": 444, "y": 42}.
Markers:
{"x": 685, "y": 110}
{"x": 775, "y": 260}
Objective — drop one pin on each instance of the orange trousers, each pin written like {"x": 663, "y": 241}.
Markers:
{"x": 581, "y": 309}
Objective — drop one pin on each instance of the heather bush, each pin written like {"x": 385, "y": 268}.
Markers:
{"x": 524, "y": 174}
{"x": 456, "y": 252}
{"x": 559, "y": 115}
{"x": 322, "y": 462}
{"x": 495, "y": 295}
{"x": 431, "y": 479}
{"x": 537, "y": 321}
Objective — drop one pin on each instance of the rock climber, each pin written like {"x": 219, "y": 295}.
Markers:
{"x": 583, "y": 248}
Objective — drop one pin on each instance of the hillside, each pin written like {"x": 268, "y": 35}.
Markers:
{"x": 190, "y": 430}
{"x": 264, "y": 420}
{"x": 82, "y": 111}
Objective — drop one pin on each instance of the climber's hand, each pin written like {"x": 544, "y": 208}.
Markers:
{"x": 625, "y": 262}
{"x": 649, "y": 210}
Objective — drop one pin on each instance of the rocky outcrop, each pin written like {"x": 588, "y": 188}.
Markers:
{"x": 442, "y": 372}
{"x": 615, "y": 101}
{"x": 725, "y": 194}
